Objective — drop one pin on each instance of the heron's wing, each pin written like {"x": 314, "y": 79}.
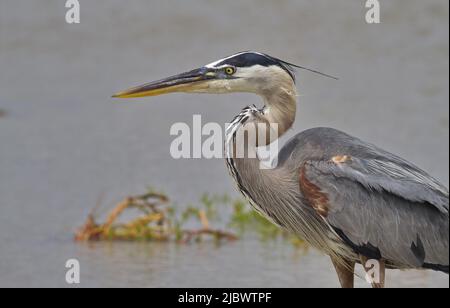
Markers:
{"x": 386, "y": 176}
{"x": 381, "y": 208}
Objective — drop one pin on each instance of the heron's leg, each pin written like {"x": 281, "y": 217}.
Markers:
{"x": 369, "y": 268}
{"x": 346, "y": 273}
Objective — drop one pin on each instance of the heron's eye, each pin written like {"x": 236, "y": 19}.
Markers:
{"x": 230, "y": 70}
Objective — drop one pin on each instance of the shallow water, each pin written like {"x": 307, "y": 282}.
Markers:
{"x": 65, "y": 143}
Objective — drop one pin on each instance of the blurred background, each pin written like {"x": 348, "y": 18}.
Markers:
{"x": 64, "y": 142}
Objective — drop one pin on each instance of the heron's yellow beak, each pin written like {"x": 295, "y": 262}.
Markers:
{"x": 193, "y": 81}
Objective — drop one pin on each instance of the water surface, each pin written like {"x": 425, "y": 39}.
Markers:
{"x": 64, "y": 142}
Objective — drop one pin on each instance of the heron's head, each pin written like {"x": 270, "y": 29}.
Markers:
{"x": 249, "y": 72}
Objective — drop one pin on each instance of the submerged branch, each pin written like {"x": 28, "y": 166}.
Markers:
{"x": 153, "y": 218}
{"x": 156, "y": 222}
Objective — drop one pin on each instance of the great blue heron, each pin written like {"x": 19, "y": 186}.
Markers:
{"x": 345, "y": 197}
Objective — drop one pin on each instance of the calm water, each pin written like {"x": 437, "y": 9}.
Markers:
{"x": 64, "y": 142}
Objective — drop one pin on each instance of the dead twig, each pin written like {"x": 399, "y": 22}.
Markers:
{"x": 154, "y": 223}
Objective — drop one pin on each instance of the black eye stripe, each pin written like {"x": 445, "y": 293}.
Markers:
{"x": 249, "y": 59}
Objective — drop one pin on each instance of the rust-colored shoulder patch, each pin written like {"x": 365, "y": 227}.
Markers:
{"x": 340, "y": 159}
{"x": 316, "y": 198}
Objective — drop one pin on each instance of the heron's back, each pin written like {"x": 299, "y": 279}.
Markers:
{"x": 379, "y": 204}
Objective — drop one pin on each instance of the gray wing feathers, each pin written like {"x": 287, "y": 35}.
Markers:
{"x": 385, "y": 207}
{"x": 400, "y": 180}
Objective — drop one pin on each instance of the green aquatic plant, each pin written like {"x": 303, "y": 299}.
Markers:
{"x": 157, "y": 219}
{"x": 245, "y": 220}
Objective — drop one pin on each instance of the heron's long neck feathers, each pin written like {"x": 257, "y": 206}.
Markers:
{"x": 279, "y": 109}
{"x": 274, "y": 193}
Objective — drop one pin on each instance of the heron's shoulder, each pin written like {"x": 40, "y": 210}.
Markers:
{"x": 317, "y": 143}
{"x": 326, "y": 144}
{"x": 323, "y": 143}
{"x": 318, "y": 134}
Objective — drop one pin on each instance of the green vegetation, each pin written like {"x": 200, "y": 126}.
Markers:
{"x": 155, "y": 218}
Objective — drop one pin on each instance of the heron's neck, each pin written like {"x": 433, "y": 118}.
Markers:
{"x": 252, "y": 179}
{"x": 277, "y": 117}
{"x": 279, "y": 111}
{"x": 281, "y": 107}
